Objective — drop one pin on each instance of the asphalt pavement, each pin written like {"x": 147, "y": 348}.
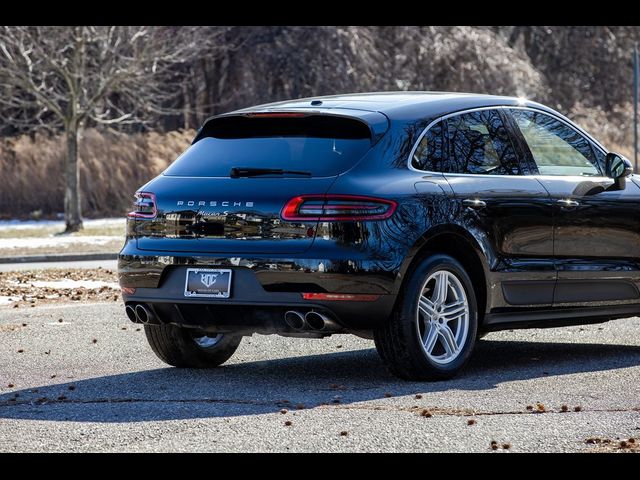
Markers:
{"x": 82, "y": 378}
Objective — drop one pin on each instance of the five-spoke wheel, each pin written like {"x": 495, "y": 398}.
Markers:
{"x": 443, "y": 316}
{"x": 432, "y": 331}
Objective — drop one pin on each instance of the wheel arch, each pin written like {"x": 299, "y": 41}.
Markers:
{"x": 460, "y": 244}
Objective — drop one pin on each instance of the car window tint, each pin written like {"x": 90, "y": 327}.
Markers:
{"x": 557, "y": 149}
{"x": 429, "y": 154}
{"x": 321, "y": 145}
{"x": 478, "y": 142}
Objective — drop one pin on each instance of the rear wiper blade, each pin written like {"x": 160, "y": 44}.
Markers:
{"x": 237, "y": 172}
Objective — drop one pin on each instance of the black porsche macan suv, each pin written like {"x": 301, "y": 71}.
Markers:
{"x": 417, "y": 219}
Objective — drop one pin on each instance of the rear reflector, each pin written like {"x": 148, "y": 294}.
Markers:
{"x": 345, "y": 208}
{"x": 341, "y": 297}
{"x": 128, "y": 290}
{"x": 144, "y": 206}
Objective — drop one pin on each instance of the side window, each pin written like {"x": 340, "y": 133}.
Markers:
{"x": 430, "y": 152}
{"x": 557, "y": 149}
{"x": 479, "y": 143}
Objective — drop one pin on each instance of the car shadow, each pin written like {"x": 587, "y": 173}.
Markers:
{"x": 252, "y": 388}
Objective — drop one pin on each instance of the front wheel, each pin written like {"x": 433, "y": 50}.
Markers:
{"x": 186, "y": 347}
{"x": 432, "y": 330}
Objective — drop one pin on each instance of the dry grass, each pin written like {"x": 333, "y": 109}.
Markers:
{"x": 113, "y": 166}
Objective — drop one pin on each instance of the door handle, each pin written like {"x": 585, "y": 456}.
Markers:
{"x": 567, "y": 203}
{"x": 474, "y": 203}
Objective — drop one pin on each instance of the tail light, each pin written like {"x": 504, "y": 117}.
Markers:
{"x": 144, "y": 206}
{"x": 337, "y": 208}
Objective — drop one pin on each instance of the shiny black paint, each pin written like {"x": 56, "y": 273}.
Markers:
{"x": 525, "y": 243}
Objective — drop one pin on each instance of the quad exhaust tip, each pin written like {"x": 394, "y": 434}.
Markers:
{"x": 310, "y": 321}
{"x": 295, "y": 320}
{"x": 131, "y": 313}
{"x": 145, "y": 315}
{"x": 319, "y": 321}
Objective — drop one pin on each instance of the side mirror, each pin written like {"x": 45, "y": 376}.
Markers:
{"x": 618, "y": 168}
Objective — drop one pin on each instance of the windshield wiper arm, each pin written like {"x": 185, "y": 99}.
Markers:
{"x": 237, "y": 172}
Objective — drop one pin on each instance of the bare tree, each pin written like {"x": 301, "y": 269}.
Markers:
{"x": 66, "y": 77}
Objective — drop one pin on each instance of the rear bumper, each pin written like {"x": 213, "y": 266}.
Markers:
{"x": 262, "y": 290}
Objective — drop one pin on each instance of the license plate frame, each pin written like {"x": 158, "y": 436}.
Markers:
{"x": 203, "y": 283}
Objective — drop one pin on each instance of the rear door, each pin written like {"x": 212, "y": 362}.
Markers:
{"x": 202, "y": 209}
{"x": 498, "y": 202}
{"x": 596, "y": 232}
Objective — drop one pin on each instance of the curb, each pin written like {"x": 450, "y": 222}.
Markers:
{"x": 62, "y": 257}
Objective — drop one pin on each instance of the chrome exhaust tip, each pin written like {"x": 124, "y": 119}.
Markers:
{"x": 131, "y": 313}
{"x": 295, "y": 320}
{"x": 145, "y": 315}
{"x": 319, "y": 321}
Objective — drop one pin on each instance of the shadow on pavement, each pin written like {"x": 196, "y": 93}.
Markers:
{"x": 266, "y": 386}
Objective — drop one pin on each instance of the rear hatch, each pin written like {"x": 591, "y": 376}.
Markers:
{"x": 226, "y": 192}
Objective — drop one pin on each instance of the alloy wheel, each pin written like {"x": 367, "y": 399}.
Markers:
{"x": 442, "y": 317}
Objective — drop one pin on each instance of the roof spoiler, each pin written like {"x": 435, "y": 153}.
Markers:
{"x": 376, "y": 122}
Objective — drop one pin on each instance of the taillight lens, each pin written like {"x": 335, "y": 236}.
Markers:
{"x": 144, "y": 206}
{"x": 337, "y": 208}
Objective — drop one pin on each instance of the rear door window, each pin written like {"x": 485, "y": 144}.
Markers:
{"x": 471, "y": 143}
{"x": 319, "y": 144}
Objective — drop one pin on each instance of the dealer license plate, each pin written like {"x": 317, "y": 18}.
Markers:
{"x": 208, "y": 282}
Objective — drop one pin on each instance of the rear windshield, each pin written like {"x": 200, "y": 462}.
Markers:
{"x": 321, "y": 145}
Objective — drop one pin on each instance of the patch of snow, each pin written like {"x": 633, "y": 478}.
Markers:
{"x": 6, "y": 300}
{"x": 53, "y": 241}
{"x": 26, "y": 224}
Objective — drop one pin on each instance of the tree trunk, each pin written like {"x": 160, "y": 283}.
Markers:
{"x": 72, "y": 211}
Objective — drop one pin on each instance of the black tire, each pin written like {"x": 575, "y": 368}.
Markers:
{"x": 177, "y": 346}
{"x": 399, "y": 341}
